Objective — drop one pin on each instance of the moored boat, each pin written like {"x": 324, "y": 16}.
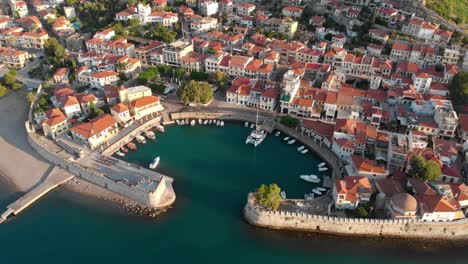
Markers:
{"x": 192, "y": 123}
{"x": 309, "y": 196}
{"x": 160, "y": 128}
{"x": 140, "y": 139}
{"x": 283, "y": 194}
{"x": 210, "y": 122}
{"x": 310, "y": 178}
{"x": 322, "y": 169}
{"x": 131, "y": 146}
{"x": 222, "y": 123}
{"x": 286, "y": 138}
{"x": 321, "y": 164}
{"x": 155, "y": 163}
{"x": 304, "y": 151}
{"x": 320, "y": 189}
{"x": 300, "y": 148}
{"x": 124, "y": 149}
{"x": 121, "y": 154}
{"x": 200, "y": 121}
{"x": 205, "y": 122}
{"x": 246, "y": 124}
{"x": 316, "y": 191}
{"x": 252, "y": 125}
{"x": 150, "y": 134}
{"x": 277, "y": 134}
{"x": 291, "y": 141}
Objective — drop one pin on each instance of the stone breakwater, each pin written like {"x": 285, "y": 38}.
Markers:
{"x": 259, "y": 216}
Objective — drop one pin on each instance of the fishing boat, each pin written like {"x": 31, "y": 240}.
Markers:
{"x": 131, "y": 146}
{"x": 160, "y": 128}
{"x": 192, "y": 123}
{"x": 222, "y": 123}
{"x": 283, "y": 194}
{"x": 310, "y": 178}
{"x": 121, "y": 154}
{"x": 320, "y": 189}
{"x": 140, "y": 139}
{"x": 205, "y": 122}
{"x": 300, "y": 148}
{"x": 150, "y": 134}
{"x": 199, "y": 121}
{"x": 277, "y": 134}
{"x": 309, "y": 196}
{"x": 155, "y": 163}
{"x": 321, "y": 164}
{"x": 316, "y": 191}
{"x": 304, "y": 151}
{"x": 322, "y": 169}
{"x": 124, "y": 149}
{"x": 291, "y": 141}
{"x": 246, "y": 124}
{"x": 286, "y": 138}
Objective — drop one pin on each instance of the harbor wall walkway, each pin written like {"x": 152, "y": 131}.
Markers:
{"x": 259, "y": 216}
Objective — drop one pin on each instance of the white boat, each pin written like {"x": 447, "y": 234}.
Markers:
{"x": 182, "y": 122}
{"x": 155, "y": 163}
{"x": 316, "y": 191}
{"x": 256, "y": 137}
{"x": 322, "y": 169}
{"x": 321, "y": 164}
{"x": 199, "y": 121}
{"x": 218, "y": 123}
{"x": 286, "y": 138}
{"x": 283, "y": 194}
{"x": 140, "y": 139}
{"x": 308, "y": 196}
{"x": 187, "y": 121}
{"x": 314, "y": 176}
{"x": 192, "y": 123}
{"x": 320, "y": 189}
{"x": 205, "y": 122}
{"x": 277, "y": 134}
{"x": 222, "y": 123}
{"x": 150, "y": 134}
{"x": 309, "y": 178}
{"x": 252, "y": 125}
{"x": 246, "y": 124}
{"x": 160, "y": 128}
{"x": 121, "y": 154}
{"x": 291, "y": 141}
{"x": 300, "y": 148}
{"x": 210, "y": 122}
{"x": 178, "y": 122}
{"x": 304, "y": 151}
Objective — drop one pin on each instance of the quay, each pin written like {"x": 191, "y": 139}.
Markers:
{"x": 55, "y": 178}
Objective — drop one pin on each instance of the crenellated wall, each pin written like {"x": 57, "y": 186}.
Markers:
{"x": 259, "y": 216}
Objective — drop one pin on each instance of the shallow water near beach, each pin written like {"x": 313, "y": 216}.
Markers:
{"x": 213, "y": 171}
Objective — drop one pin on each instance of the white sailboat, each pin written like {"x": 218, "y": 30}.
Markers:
{"x": 257, "y": 136}
{"x": 155, "y": 163}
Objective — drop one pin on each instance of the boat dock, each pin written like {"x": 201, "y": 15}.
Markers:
{"x": 268, "y": 125}
{"x": 55, "y": 178}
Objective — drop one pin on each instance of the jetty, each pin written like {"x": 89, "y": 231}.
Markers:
{"x": 55, "y": 178}
{"x": 268, "y": 125}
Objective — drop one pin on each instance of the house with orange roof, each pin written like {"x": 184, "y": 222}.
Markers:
{"x": 159, "y": 4}
{"x": 97, "y": 79}
{"x": 351, "y": 191}
{"x": 86, "y": 100}
{"x": 71, "y": 106}
{"x": 422, "y": 82}
{"x": 12, "y": 58}
{"x": 400, "y": 51}
{"x": 55, "y": 123}
{"x": 61, "y": 75}
{"x": 446, "y": 118}
{"x": 102, "y": 42}
{"x": 320, "y": 132}
{"x": 194, "y": 61}
{"x": 245, "y": 9}
{"x": 20, "y": 8}
{"x": 139, "y": 11}
{"x": 463, "y": 127}
{"x": 121, "y": 114}
{"x": 292, "y": 11}
{"x": 365, "y": 167}
{"x": 145, "y": 106}
{"x": 95, "y": 132}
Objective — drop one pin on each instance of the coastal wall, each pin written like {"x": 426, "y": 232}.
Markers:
{"x": 259, "y": 216}
{"x": 134, "y": 193}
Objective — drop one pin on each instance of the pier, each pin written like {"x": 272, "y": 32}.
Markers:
{"x": 55, "y": 178}
{"x": 268, "y": 125}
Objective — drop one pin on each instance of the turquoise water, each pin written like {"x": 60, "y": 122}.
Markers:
{"x": 213, "y": 170}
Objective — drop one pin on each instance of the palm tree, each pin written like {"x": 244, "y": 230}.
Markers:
{"x": 31, "y": 97}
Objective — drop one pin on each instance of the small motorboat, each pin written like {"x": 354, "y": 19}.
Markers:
{"x": 155, "y": 163}
{"x": 252, "y": 125}
{"x": 316, "y": 191}
{"x": 150, "y": 134}
{"x": 210, "y": 122}
{"x": 277, "y": 134}
{"x": 199, "y": 121}
{"x": 286, "y": 138}
{"x": 160, "y": 128}
{"x": 140, "y": 139}
{"x": 310, "y": 178}
{"x": 291, "y": 141}
{"x": 121, "y": 154}
{"x": 187, "y": 121}
{"x": 131, "y": 146}
{"x": 321, "y": 164}
{"x": 178, "y": 122}
{"x": 322, "y": 169}
{"x": 182, "y": 122}
{"x": 283, "y": 194}
{"x": 222, "y": 123}
{"x": 205, "y": 122}
{"x": 124, "y": 149}
{"x": 218, "y": 123}
{"x": 192, "y": 123}
{"x": 320, "y": 189}
{"x": 304, "y": 151}
{"x": 300, "y": 148}
{"x": 246, "y": 124}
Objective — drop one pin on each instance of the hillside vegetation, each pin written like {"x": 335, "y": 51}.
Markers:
{"x": 452, "y": 10}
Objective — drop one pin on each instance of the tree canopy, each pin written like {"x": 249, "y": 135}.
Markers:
{"x": 3, "y": 90}
{"x": 458, "y": 88}
{"x": 150, "y": 74}
{"x": 94, "y": 110}
{"x": 269, "y": 196}
{"x": 196, "y": 92}
{"x": 219, "y": 78}
{"x": 54, "y": 51}
{"x": 422, "y": 169}
{"x": 289, "y": 121}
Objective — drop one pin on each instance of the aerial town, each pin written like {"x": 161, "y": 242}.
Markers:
{"x": 379, "y": 88}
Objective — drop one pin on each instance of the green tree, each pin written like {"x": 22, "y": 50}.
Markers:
{"x": 422, "y": 169}
{"x": 197, "y": 92}
{"x": 31, "y": 96}
{"x": 199, "y": 76}
{"x": 9, "y": 79}
{"x": 134, "y": 22}
{"x": 3, "y": 90}
{"x": 180, "y": 72}
{"x": 219, "y": 78}
{"x": 289, "y": 121}
{"x": 269, "y": 196}
{"x": 54, "y": 51}
{"x": 94, "y": 110}
{"x": 458, "y": 88}
{"x": 372, "y": 18}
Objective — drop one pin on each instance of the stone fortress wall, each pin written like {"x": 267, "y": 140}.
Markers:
{"x": 259, "y": 216}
